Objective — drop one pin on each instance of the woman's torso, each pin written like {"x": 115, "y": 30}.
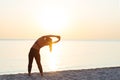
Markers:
{"x": 40, "y": 43}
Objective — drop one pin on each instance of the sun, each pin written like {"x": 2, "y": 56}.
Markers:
{"x": 53, "y": 20}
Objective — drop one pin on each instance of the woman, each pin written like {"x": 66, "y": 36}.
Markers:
{"x": 34, "y": 51}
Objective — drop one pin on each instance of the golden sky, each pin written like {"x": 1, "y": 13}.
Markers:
{"x": 72, "y": 19}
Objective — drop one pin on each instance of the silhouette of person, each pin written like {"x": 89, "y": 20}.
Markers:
{"x": 35, "y": 49}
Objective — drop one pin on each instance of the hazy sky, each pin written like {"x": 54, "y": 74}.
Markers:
{"x": 72, "y": 19}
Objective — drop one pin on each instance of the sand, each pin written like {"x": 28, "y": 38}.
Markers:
{"x": 111, "y": 73}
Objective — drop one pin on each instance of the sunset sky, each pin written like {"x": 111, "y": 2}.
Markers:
{"x": 72, "y": 19}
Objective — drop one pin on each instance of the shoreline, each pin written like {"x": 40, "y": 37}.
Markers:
{"x": 107, "y": 73}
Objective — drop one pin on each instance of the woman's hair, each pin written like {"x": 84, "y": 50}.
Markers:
{"x": 49, "y": 40}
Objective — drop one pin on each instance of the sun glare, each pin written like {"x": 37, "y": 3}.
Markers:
{"x": 53, "y": 19}
{"x": 54, "y": 59}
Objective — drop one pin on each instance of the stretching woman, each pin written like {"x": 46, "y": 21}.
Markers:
{"x": 34, "y": 51}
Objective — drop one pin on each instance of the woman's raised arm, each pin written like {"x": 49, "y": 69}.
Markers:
{"x": 58, "y": 37}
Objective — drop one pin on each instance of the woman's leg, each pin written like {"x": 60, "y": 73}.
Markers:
{"x": 30, "y": 58}
{"x": 37, "y": 58}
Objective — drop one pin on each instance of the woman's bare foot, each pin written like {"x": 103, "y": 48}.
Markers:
{"x": 41, "y": 74}
{"x": 29, "y": 74}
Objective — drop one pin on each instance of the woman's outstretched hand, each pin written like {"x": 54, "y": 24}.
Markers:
{"x": 58, "y": 37}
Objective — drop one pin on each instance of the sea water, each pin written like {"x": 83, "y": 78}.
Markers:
{"x": 66, "y": 55}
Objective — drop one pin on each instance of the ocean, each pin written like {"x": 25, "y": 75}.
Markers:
{"x": 66, "y": 55}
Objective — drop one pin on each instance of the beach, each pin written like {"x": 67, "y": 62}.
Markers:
{"x": 93, "y": 60}
{"x": 108, "y": 73}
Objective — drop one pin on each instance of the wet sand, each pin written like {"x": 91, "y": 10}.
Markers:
{"x": 109, "y": 73}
